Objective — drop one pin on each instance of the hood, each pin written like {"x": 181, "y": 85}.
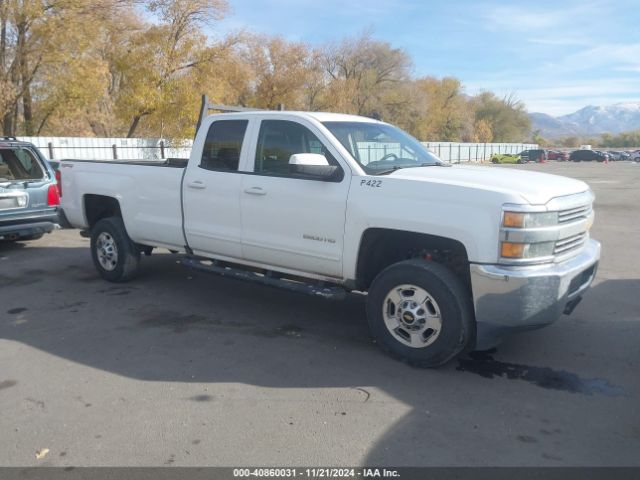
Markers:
{"x": 535, "y": 188}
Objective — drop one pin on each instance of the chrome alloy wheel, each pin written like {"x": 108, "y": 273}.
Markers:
{"x": 412, "y": 316}
{"x": 107, "y": 251}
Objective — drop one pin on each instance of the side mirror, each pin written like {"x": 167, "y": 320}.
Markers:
{"x": 313, "y": 165}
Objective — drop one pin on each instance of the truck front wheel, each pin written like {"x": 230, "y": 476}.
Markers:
{"x": 115, "y": 256}
{"x": 420, "y": 312}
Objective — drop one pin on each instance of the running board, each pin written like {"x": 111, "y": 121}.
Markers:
{"x": 269, "y": 278}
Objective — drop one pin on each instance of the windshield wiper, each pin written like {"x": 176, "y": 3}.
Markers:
{"x": 398, "y": 167}
{"x": 390, "y": 170}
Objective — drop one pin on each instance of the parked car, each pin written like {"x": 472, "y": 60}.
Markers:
{"x": 587, "y": 156}
{"x": 533, "y": 156}
{"x": 505, "y": 158}
{"x": 618, "y": 155}
{"x": 293, "y": 200}
{"x": 557, "y": 155}
{"x": 635, "y": 156}
{"x": 29, "y": 195}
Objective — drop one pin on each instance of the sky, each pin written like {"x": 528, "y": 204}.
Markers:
{"x": 556, "y": 56}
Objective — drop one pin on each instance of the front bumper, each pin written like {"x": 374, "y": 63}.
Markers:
{"x": 509, "y": 299}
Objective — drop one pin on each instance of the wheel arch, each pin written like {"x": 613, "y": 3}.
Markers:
{"x": 97, "y": 207}
{"x": 382, "y": 247}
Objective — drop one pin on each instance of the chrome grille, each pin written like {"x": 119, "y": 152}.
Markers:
{"x": 569, "y": 244}
{"x": 572, "y": 214}
{"x": 570, "y": 219}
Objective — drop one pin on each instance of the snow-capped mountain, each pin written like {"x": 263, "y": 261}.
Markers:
{"x": 591, "y": 120}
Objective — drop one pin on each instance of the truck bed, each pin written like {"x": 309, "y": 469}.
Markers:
{"x": 152, "y": 197}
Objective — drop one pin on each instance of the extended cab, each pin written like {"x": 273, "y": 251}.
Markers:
{"x": 28, "y": 192}
{"x": 452, "y": 257}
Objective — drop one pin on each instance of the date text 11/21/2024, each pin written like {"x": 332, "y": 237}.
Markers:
{"x": 316, "y": 473}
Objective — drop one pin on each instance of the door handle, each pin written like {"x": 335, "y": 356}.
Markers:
{"x": 255, "y": 191}
{"x": 197, "y": 184}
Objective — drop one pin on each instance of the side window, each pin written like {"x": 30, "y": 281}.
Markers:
{"x": 223, "y": 145}
{"x": 278, "y": 140}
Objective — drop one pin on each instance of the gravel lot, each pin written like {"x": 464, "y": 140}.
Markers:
{"x": 179, "y": 368}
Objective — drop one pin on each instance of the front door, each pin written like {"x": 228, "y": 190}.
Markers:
{"x": 288, "y": 221}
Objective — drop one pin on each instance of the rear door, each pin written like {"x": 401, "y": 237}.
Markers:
{"x": 211, "y": 191}
{"x": 288, "y": 221}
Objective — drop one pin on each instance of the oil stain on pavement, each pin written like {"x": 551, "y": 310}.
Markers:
{"x": 483, "y": 364}
{"x": 15, "y": 311}
{"x": 7, "y": 384}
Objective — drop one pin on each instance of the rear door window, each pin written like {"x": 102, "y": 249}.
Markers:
{"x": 223, "y": 145}
{"x": 17, "y": 164}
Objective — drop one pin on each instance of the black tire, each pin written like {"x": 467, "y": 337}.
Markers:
{"x": 125, "y": 267}
{"x": 457, "y": 331}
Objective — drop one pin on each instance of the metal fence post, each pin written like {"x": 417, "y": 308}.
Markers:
{"x": 50, "y": 146}
{"x": 162, "y": 149}
{"x": 114, "y": 149}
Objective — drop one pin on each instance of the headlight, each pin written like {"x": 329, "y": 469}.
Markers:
{"x": 529, "y": 220}
{"x": 537, "y": 234}
{"x": 517, "y": 246}
{"x": 515, "y": 251}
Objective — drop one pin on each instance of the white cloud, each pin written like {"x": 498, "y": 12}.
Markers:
{"x": 545, "y": 19}
{"x": 561, "y": 39}
{"x": 514, "y": 18}
{"x": 618, "y": 56}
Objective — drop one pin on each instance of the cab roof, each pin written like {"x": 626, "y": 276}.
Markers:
{"x": 318, "y": 116}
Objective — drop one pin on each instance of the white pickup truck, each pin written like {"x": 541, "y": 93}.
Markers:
{"x": 452, "y": 257}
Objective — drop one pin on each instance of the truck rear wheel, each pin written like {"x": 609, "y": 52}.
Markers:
{"x": 420, "y": 312}
{"x": 114, "y": 255}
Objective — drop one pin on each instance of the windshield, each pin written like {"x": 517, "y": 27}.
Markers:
{"x": 380, "y": 148}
